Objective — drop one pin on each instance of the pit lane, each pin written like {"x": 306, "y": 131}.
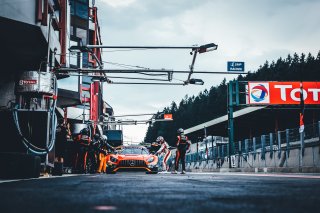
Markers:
{"x": 138, "y": 192}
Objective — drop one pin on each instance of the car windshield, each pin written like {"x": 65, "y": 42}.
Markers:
{"x": 134, "y": 151}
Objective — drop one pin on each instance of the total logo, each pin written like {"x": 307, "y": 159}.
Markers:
{"x": 279, "y": 93}
{"x": 259, "y": 93}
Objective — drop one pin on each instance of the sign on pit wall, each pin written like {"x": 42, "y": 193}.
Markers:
{"x": 167, "y": 116}
{"x": 278, "y": 93}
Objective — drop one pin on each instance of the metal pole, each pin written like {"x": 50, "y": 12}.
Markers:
{"x": 125, "y": 71}
{"x": 230, "y": 119}
{"x": 146, "y": 83}
{"x": 49, "y": 36}
{"x": 279, "y": 144}
{"x": 212, "y": 148}
{"x": 206, "y": 143}
{"x": 132, "y": 115}
{"x": 263, "y": 147}
{"x": 301, "y": 148}
{"x": 142, "y": 47}
{"x": 79, "y": 59}
{"x": 83, "y": 111}
{"x": 131, "y": 78}
{"x": 237, "y": 93}
{"x": 246, "y": 145}
{"x": 271, "y": 145}
{"x": 288, "y": 142}
{"x": 47, "y": 139}
{"x": 192, "y": 66}
{"x": 254, "y": 147}
{"x": 198, "y": 149}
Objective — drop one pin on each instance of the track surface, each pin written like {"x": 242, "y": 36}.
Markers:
{"x": 138, "y": 192}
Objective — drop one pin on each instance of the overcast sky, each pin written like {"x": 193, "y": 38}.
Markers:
{"x": 252, "y": 31}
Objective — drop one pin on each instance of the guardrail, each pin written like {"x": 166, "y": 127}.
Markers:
{"x": 268, "y": 143}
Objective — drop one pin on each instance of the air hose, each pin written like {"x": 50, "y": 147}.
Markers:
{"x": 52, "y": 129}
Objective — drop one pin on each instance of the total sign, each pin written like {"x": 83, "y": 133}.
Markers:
{"x": 275, "y": 93}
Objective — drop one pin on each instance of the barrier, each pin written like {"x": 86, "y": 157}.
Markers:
{"x": 282, "y": 149}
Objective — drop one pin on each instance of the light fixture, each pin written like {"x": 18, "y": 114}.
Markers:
{"x": 207, "y": 48}
{"x": 78, "y": 49}
{"x": 196, "y": 81}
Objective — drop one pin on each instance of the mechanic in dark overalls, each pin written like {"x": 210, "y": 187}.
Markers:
{"x": 183, "y": 146}
{"x": 82, "y": 142}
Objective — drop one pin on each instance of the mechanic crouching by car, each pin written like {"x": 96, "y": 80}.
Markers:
{"x": 164, "y": 149}
{"x": 183, "y": 146}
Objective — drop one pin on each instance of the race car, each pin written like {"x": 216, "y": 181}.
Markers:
{"x": 132, "y": 158}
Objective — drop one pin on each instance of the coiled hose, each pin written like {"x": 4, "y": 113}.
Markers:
{"x": 52, "y": 129}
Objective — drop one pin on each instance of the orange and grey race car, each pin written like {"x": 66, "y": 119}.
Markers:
{"x": 132, "y": 158}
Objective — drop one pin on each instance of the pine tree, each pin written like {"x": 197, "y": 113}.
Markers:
{"x": 310, "y": 58}
{"x": 289, "y": 59}
{"x": 318, "y": 56}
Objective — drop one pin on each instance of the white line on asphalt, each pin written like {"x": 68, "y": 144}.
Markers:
{"x": 284, "y": 175}
{"x": 40, "y": 178}
{"x": 189, "y": 174}
{"x": 307, "y": 176}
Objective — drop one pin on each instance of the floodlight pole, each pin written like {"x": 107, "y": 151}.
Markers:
{"x": 194, "y": 47}
{"x": 191, "y": 66}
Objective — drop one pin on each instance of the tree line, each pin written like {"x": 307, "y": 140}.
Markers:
{"x": 212, "y": 103}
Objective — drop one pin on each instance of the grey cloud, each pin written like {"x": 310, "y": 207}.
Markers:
{"x": 145, "y": 10}
{"x": 249, "y": 30}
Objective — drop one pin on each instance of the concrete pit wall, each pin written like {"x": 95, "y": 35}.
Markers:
{"x": 276, "y": 161}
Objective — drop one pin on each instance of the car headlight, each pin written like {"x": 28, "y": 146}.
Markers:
{"x": 113, "y": 159}
{"x": 151, "y": 159}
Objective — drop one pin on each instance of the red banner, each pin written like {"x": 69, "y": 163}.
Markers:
{"x": 168, "y": 116}
{"x": 278, "y": 93}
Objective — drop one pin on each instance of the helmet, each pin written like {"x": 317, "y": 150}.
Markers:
{"x": 160, "y": 139}
{"x": 104, "y": 137}
{"x": 180, "y": 131}
{"x": 96, "y": 136}
{"x": 84, "y": 131}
